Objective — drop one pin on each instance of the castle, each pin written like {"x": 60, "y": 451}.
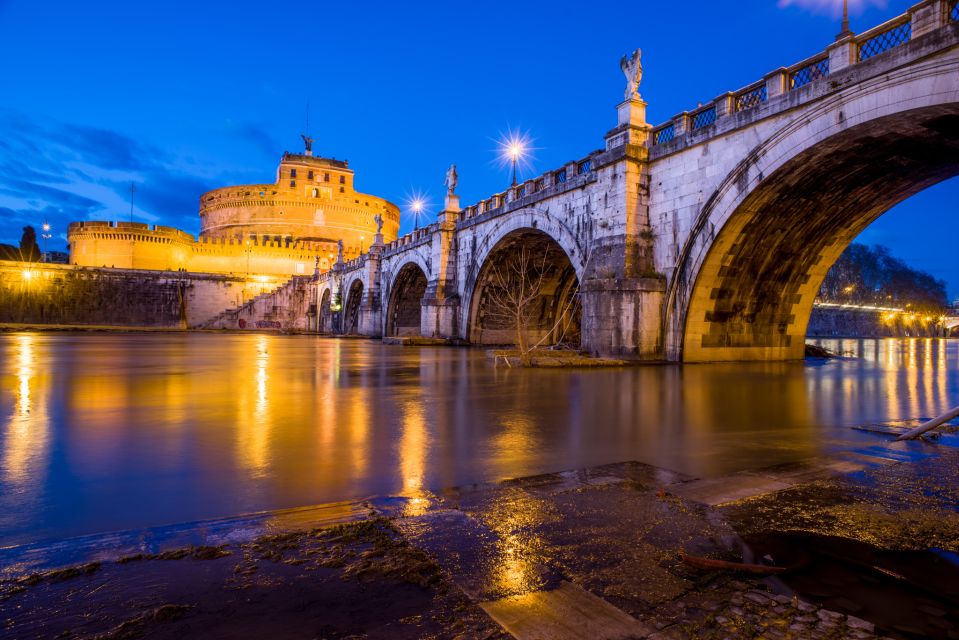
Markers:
{"x": 278, "y": 229}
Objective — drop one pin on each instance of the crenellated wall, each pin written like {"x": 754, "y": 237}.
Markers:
{"x": 126, "y": 245}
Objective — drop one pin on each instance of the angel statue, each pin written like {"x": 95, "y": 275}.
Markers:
{"x": 378, "y": 219}
{"x": 452, "y": 179}
{"x": 632, "y": 67}
{"x": 339, "y": 250}
{"x": 308, "y": 142}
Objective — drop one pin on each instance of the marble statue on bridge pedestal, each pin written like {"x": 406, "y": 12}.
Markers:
{"x": 452, "y": 179}
{"x": 452, "y": 202}
{"x": 632, "y": 66}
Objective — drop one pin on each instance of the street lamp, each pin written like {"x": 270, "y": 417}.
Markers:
{"x": 845, "y": 21}
{"x": 417, "y": 207}
{"x": 46, "y": 235}
{"x": 514, "y": 149}
{"x": 249, "y": 250}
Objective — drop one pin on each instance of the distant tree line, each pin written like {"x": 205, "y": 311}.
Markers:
{"x": 872, "y": 276}
{"x": 28, "y": 251}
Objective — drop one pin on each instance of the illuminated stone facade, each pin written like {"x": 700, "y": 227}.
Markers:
{"x": 276, "y": 229}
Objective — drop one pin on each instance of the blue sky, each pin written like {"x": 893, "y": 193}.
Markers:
{"x": 182, "y": 97}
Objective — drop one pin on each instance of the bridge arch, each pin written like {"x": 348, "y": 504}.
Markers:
{"x": 324, "y": 318}
{"x": 404, "y": 311}
{"x": 351, "y": 308}
{"x": 745, "y": 281}
{"x": 527, "y": 257}
{"x": 528, "y": 219}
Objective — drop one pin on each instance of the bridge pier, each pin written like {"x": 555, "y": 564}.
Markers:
{"x": 440, "y": 304}
{"x": 621, "y": 318}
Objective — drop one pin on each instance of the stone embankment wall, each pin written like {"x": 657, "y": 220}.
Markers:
{"x": 846, "y": 323}
{"x": 288, "y": 308}
{"x": 70, "y": 295}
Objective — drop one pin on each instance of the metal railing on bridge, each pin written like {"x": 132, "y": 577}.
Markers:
{"x": 867, "y": 45}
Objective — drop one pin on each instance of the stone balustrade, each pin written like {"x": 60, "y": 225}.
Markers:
{"x": 918, "y": 20}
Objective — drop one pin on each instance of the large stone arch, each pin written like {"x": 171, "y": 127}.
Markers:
{"x": 554, "y": 316}
{"x": 745, "y": 281}
{"x": 406, "y": 291}
{"x": 575, "y": 249}
{"x": 351, "y": 306}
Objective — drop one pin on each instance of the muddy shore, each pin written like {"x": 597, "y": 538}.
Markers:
{"x": 869, "y": 553}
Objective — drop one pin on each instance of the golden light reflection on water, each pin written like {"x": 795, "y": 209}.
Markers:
{"x": 254, "y": 426}
{"x": 238, "y": 423}
{"x": 517, "y": 562}
{"x": 413, "y": 448}
{"x": 27, "y": 432}
{"x": 912, "y": 380}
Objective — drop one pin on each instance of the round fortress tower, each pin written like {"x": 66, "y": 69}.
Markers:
{"x": 313, "y": 200}
{"x": 281, "y": 228}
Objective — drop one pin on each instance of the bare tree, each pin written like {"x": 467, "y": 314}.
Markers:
{"x": 513, "y": 292}
{"x": 516, "y": 298}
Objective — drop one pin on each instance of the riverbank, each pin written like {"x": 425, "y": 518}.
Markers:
{"x": 598, "y": 551}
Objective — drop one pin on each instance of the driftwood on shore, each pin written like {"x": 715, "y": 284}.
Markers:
{"x": 930, "y": 425}
{"x": 725, "y": 565}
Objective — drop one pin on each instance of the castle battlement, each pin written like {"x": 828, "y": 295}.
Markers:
{"x": 280, "y": 228}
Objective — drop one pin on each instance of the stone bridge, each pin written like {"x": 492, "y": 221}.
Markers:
{"x": 705, "y": 238}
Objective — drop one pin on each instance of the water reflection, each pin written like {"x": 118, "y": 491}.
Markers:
{"x": 26, "y": 435}
{"x": 104, "y": 432}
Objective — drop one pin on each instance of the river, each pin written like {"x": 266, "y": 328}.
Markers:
{"x": 111, "y": 431}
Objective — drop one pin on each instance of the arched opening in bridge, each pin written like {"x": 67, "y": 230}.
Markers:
{"x": 527, "y": 287}
{"x": 325, "y": 317}
{"x": 752, "y": 294}
{"x": 351, "y": 317}
{"x": 405, "y": 309}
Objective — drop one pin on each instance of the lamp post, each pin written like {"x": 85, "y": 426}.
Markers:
{"x": 515, "y": 152}
{"x": 249, "y": 249}
{"x": 845, "y": 21}
{"x": 46, "y": 235}
{"x": 417, "y": 207}
{"x": 514, "y": 147}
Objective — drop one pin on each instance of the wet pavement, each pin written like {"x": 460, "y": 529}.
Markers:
{"x": 870, "y": 538}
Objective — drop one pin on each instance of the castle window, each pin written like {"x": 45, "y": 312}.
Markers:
{"x": 342, "y": 179}
{"x": 341, "y": 189}
{"x": 316, "y": 192}
{"x": 292, "y": 173}
{"x": 309, "y": 175}
{"x": 326, "y": 177}
{"x": 292, "y": 183}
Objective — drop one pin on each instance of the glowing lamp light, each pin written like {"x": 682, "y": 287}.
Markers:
{"x": 27, "y": 274}
{"x": 514, "y": 149}
{"x": 416, "y": 204}
{"x": 46, "y": 226}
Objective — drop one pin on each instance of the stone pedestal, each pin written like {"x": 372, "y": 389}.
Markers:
{"x": 842, "y": 53}
{"x": 631, "y": 112}
{"x": 631, "y": 128}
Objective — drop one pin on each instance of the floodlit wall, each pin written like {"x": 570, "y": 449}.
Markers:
{"x": 48, "y": 294}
